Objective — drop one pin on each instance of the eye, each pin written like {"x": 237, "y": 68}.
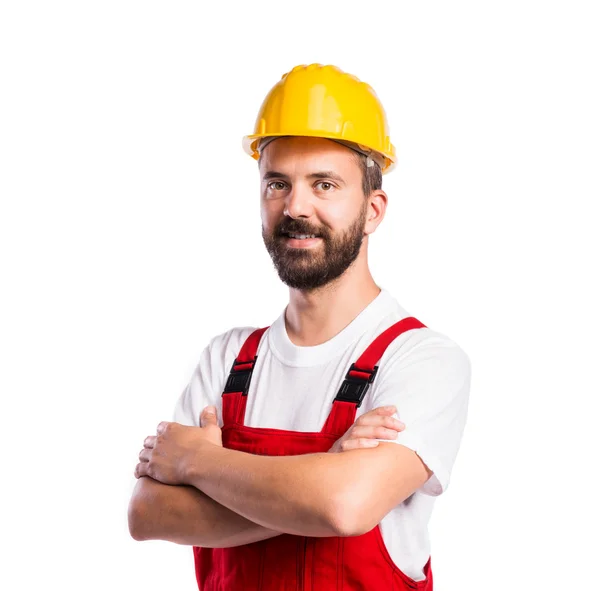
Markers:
{"x": 325, "y": 185}
{"x": 276, "y": 186}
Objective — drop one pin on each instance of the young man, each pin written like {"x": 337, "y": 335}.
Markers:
{"x": 259, "y": 492}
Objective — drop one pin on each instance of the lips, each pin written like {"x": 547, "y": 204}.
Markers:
{"x": 302, "y": 236}
{"x": 301, "y": 243}
{"x": 298, "y": 234}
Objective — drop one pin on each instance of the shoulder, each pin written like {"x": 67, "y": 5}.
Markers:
{"x": 427, "y": 364}
{"x": 425, "y": 345}
{"x": 232, "y": 339}
{"x": 224, "y": 347}
{"x": 418, "y": 344}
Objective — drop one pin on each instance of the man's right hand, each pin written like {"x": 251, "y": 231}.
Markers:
{"x": 375, "y": 424}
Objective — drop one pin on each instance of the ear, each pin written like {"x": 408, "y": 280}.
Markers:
{"x": 376, "y": 209}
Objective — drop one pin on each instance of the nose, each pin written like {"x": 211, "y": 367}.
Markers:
{"x": 299, "y": 202}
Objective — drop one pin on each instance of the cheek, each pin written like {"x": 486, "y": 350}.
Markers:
{"x": 270, "y": 214}
{"x": 337, "y": 215}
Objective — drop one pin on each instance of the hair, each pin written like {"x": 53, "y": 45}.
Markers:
{"x": 372, "y": 176}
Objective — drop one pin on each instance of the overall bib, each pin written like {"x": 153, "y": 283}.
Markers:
{"x": 289, "y": 562}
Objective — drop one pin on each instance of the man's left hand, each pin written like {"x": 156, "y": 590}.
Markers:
{"x": 167, "y": 456}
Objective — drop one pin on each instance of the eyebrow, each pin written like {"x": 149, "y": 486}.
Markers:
{"x": 324, "y": 174}
{"x": 273, "y": 174}
{"x": 327, "y": 174}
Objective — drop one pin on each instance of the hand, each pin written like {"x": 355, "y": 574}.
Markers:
{"x": 375, "y": 424}
{"x": 167, "y": 456}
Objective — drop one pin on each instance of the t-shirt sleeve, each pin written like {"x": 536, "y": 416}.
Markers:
{"x": 198, "y": 394}
{"x": 430, "y": 389}
{"x": 205, "y": 387}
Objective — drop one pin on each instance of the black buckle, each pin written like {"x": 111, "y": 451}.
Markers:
{"x": 353, "y": 389}
{"x": 239, "y": 380}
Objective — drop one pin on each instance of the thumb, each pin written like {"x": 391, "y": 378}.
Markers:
{"x": 208, "y": 416}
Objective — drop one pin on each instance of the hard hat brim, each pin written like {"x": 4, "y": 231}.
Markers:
{"x": 250, "y": 145}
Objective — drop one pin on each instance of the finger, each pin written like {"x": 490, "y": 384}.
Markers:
{"x": 384, "y": 410}
{"x": 383, "y": 421}
{"x": 392, "y": 423}
{"x": 150, "y": 441}
{"x": 208, "y": 416}
{"x": 376, "y": 421}
{"x": 371, "y": 432}
{"x": 161, "y": 427}
{"x": 361, "y": 443}
{"x": 377, "y": 412}
{"x": 141, "y": 470}
{"x": 145, "y": 455}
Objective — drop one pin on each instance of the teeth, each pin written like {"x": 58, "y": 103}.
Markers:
{"x": 302, "y": 236}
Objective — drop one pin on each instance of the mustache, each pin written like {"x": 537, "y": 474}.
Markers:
{"x": 296, "y": 227}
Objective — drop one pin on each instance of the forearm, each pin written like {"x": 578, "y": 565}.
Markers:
{"x": 185, "y": 515}
{"x": 302, "y": 495}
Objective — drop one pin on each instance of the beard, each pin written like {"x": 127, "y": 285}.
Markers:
{"x": 310, "y": 268}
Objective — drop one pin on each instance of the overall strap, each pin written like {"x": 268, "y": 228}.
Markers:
{"x": 361, "y": 375}
{"x": 235, "y": 393}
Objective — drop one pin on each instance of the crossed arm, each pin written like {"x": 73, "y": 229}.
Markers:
{"x": 185, "y": 515}
{"x": 227, "y": 498}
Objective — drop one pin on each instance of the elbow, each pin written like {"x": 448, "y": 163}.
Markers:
{"x": 347, "y": 516}
{"x": 135, "y": 521}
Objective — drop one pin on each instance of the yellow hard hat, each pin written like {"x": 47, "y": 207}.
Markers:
{"x": 322, "y": 101}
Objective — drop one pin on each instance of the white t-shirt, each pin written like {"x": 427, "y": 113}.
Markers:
{"x": 423, "y": 373}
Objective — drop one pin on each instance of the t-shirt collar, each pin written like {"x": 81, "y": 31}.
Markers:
{"x": 297, "y": 356}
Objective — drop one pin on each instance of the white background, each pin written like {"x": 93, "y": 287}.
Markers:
{"x": 130, "y": 235}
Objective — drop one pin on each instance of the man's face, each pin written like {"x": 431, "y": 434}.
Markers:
{"x": 311, "y": 187}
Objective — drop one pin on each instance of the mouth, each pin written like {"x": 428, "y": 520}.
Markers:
{"x": 299, "y": 236}
{"x": 300, "y": 240}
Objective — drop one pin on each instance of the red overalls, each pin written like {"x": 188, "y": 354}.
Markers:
{"x": 289, "y": 562}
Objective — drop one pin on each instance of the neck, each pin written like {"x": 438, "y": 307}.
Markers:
{"x": 314, "y": 317}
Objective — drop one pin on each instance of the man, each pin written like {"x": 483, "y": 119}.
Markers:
{"x": 260, "y": 492}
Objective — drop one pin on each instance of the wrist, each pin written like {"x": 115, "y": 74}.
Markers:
{"x": 200, "y": 463}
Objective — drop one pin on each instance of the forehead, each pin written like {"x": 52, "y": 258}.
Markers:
{"x": 306, "y": 155}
